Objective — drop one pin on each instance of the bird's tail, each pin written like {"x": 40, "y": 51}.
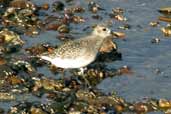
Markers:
{"x": 46, "y": 58}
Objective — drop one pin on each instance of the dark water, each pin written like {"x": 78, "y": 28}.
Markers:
{"x": 141, "y": 55}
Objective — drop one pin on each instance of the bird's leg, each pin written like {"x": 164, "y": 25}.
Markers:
{"x": 63, "y": 76}
{"x": 84, "y": 76}
{"x": 82, "y": 70}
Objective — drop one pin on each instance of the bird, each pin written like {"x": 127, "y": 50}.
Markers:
{"x": 78, "y": 53}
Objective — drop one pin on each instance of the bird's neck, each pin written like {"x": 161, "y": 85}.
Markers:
{"x": 98, "y": 40}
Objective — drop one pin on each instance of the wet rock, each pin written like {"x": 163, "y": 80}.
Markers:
{"x": 155, "y": 41}
{"x": 118, "y": 35}
{"x": 5, "y": 71}
{"x": 166, "y": 30}
{"x": 2, "y": 61}
{"x": 22, "y": 19}
{"x": 85, "y": 95}
{"x": 2, "y": 39}
{"x": 125, "y": 70}
{"x": 94, "y": 74}
{"x": 22, "y": 4}
{"x": 23, "y": 107}
{"x": 61, "y": 102}
{"x": 164, "y": 104}
{"x": 58, "y": 6}
{"x": 99, "y": 103}
{"x": 6, "y": 96}
{"x": 50, "y": 19}
{"x": 10, "y": 81}
{"x": 113, "y": 55}
{"x": 120, "y": 18}
{"x": 125, "y": 27}
{"x": 76, "y": 9}
{"x": 71, "y": 84}
{"x": 14, "y": 80}
{"x": 63, "y": 29}
{"x": 35, "y": 110}
{"x": 118, "y": 10}
{"x": 74, "y": 112}
{"x": 146, "y": 106}
{"x": 53, "y": 23}
{"x": 3, "y": 5}
{"x": 94, "y": 7}
{"x": 2, "y": 50}
{"x": 154, "y": 23}
{"x": 108, "y": 45}
{"x": 167, "y": 111}
{"x": 118, "y": 14}
{"x": 45, "y": 6}
{"x": 140, "y": 108}
{"x": 48, "y": 84}
{"x": 165, "y": 19}
{"x": 21, "y": 65}
{"x": 78, "y": 19}
{"x": 52, "y": 26}
{"x": 165, "y": 10}
{"x": 2, "y": 111}
{"x": 39, "y": 48}
{"x": 10, "y": 37}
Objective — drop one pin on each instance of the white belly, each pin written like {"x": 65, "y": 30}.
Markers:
{"x": 70, "y": 63}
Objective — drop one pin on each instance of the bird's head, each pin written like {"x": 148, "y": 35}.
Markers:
{"x": 101, "y": 31}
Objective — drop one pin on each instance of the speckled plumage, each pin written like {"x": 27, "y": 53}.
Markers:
{"x": 80, "y": 52}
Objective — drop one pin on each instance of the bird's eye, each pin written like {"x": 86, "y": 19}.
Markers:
{"x": 104, "y": 29}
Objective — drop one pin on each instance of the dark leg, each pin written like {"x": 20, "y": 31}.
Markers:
{"x": 63, "y": 76}
{"x": 84, "y": 77}
{"x": 86, "y": 81}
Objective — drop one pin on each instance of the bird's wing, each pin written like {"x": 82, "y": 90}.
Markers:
{"x": 70, "y": 50}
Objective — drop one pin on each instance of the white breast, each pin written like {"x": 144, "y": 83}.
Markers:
{"x": 70, "y": 63}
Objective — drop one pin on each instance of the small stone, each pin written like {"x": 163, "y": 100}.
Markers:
{"x": 94, "y": 7}
{"x": 165, "y": 19}
{"x": 117, "y": 10}
{"x": 163, "y": 103}
{"x": 118, "y": 34}
{"x": 35, "y": 110}
{"x": 108, "y": 45}
{"x": 165, "y": 10}
{"x": 2, "y": 61}
{"x": 166, "y": 30}
{"x": 78, "y": 19}
{"x": 63, "y": 29}
{"x": 155, "y": 41}
{"x": 45, "y": 6}
{"x": 6, "y": 96}
{"x": 120, "y": 18}
{"x": 22, "y": 4}
{"x": 58, "y": 6}
{"x": 125, "y": 70}
{"x": 154, "y": 23}
{"x": 140, "y": 108}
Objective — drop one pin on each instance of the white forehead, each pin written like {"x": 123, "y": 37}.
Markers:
{"x": 98, "y": 27}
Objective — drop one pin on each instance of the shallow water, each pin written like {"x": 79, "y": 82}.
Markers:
{"x": 142, "y": 56}
{"x": 138, "y": 52}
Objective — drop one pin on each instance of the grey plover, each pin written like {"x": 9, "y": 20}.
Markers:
{"x": 80, "y": 52}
